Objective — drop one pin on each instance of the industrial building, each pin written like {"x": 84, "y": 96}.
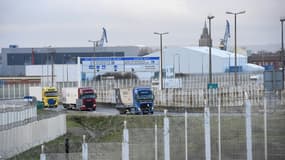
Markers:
{"x": 267, "y": 59}
{"x": 187, "y": 60}
{"x": 196, "y": 60}
{"x": 14, "y": 59}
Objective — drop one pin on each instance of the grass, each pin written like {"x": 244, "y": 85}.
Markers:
{"x": 96, "y": 129}
{"x": 102, "y": 129}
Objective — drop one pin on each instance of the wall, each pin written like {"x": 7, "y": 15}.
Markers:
{"x": 14, "y": 115}
{"x": 22, "y": 138}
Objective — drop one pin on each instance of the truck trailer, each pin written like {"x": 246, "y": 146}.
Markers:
{"x": 47, "y": 95}
{"x": 137, "y": 100}
{"x": 79, "y": 98}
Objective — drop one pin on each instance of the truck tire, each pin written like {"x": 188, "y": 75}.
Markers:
{"x": 122, "y": 111}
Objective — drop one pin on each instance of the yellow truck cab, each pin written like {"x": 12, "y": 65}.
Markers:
{"x": 50, "y": 96}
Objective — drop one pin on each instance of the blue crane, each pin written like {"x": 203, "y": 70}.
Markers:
{"x": 224, "y": 41}
{"x": 103, "y": 38}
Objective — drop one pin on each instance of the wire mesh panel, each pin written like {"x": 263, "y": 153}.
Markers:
{"x": 64, "y": 156}
{"x": 103, "y": 151}
{"x": 142, "y": 143}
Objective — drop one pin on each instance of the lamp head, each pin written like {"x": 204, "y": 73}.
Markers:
{"x": 211, "y": 17}
{"x": 242, "y": 12}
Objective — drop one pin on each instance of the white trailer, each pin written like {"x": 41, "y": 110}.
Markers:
{"x": 36, "y": 92}
{"x": 79, "y": 98}
{"x": 69, "y": 95}
{"x": 127, "y": 96}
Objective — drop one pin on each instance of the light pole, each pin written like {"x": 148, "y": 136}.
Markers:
{"x": 282, "y": 46}
{"x": 95, "y": 43}
{"x": 51, "y": 52}
{"x": 210, "y": 49}
{"x": 235, "y": 14}
{"x": 160, "y": 68}
{"x": 174, "y": 58}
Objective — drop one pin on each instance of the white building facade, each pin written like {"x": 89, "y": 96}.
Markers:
{"x": 196, "y": 60}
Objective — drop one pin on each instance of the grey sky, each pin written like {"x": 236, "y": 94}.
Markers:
{"x": 64, "y": 23}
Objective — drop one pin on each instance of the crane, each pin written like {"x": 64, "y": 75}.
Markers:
{"x": 103, "y": 39}
{"x": 224, "y": 41}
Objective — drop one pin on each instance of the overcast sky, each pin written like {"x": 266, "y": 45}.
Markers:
{"x": 67, "y": 23}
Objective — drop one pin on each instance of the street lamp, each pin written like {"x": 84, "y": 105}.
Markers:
{"x": 95, "y": 43}
{"x": 282, "y": 19}
{"x": 52, "y": 52}
{"x": 160, "y": 68}
{"x": 210, "y": 49}
{"x": 174, "y": 58}
{"x": 235, "y": 14}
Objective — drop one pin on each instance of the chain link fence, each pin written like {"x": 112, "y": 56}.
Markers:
{"x": 189, "y": 141}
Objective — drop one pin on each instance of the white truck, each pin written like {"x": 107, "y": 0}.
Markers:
{"x": 79, "y": 98}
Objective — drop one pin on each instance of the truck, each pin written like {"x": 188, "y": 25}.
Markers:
{"x": 136, "y": 100}
{"x": 48, "y": 96}
{"x": 83, "y": 98}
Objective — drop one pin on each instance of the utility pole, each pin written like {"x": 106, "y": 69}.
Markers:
{"x": 282, "y": 47}
{"x": 210, "y": 49}
{"x": 52, "y": 54}
{"x": 235, "y": 14}
{"x": 160, "y": 68}
{"x": 95, "y": 44}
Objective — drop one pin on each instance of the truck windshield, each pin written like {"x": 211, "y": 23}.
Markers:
{"x": 51, "y": 94}
{"x": 146, "y": 94}
{"x": 92, "y": 95}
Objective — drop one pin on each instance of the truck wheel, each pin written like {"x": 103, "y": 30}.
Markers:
{"x": 122, "y": 111}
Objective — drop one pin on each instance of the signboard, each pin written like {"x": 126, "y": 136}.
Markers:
{"x": 273, "y": 80}
{"x": 212, "y": 85}
{"x": 268, "y": 67}
{"x": 93, "y": 66}
{"x": 235, "y": 68}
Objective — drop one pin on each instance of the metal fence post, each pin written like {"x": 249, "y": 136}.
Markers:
{"x": 125, "y": 144}
{"x": 43, "y": 155}
{"x": 155, "y": 141}
{"x": 166, "y": 136}
{"x": 248, "y": 128}
{"x": 219, "y": 128}
{"x": 84, "y": 149}
{"x": 8, "y": 91}
{"x": 265, "y": 128}
{"x": 186, "y": 137}
{"x": 14, "y": 90}
{"x": 207, "y": 128}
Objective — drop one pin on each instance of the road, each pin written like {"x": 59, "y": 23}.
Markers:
{"x": 106, "y": 110}
{"x": 101, "y": 110}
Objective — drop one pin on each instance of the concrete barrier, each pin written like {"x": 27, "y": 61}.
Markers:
{"x": 16, "y": 115}
{"x": 18, "y": 139}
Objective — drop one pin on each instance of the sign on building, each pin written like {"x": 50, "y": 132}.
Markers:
{"x": 93, "y": 66}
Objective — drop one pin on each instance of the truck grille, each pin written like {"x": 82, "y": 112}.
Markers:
{"x": 89, "y": 104}
{"x": 145, "y": 108}
{"x": 51, "y": 101}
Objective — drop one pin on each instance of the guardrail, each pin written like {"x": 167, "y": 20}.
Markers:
{"x": 17, "y": 113}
